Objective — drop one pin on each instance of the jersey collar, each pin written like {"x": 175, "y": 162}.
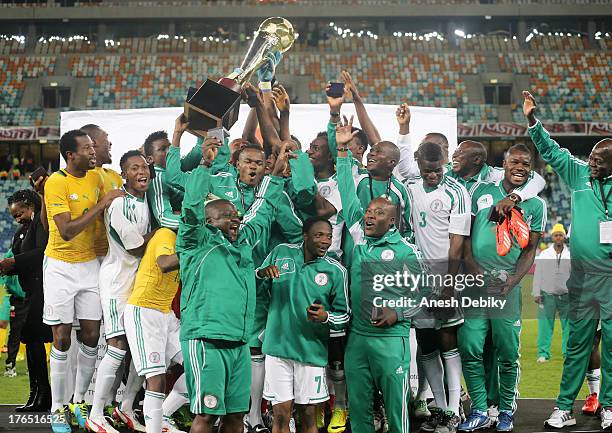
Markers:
{"x": 391, "y": 237}
{"x": 138, "y": 199}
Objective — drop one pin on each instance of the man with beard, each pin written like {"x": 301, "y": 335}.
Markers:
{"x": 591, "y": 271}
{"x": 502, "y": 249}
{"x": 308, "y": 289}
{"x": 73, "y": 201}
{"x": 217, "y": 312}
{"x": 378, "y": 349}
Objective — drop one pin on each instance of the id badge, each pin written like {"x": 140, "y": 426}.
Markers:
{"x": 605, "y": 232}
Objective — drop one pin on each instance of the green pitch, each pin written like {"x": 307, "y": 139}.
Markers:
{"x": 537, "y": 380}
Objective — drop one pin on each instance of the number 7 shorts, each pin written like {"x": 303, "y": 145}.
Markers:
{"x": 71, "y": 291}
{"x": 288, "y": 380}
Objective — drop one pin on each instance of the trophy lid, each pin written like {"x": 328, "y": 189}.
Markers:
{"x": 282, "y": 28}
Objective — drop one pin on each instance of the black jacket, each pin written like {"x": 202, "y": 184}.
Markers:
{"x": 29, "y": 243}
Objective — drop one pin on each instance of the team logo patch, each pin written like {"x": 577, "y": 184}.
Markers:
{"x": 73, "y": 196}
{"x": 436, "y": 205}
{"x": 321, "y": 279}
{"x": 485, "y": 201}
{"x": 154, "y": 357}
{"x": 387, "y": 255}
{"x": 325, "y": 191}
{"x": 210, "y": 401}
{"x": 48, "y": 311}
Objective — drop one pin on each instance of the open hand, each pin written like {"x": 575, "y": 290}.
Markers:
{"x": 344, "y": 132}
{"x": 281, "y": 99}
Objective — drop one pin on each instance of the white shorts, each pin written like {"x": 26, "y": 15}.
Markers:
{"x": 71, "y": 291}
{"x": 112, "y": 312}
{"x": 288, "y": 380}
{"x": 153, "y": 337}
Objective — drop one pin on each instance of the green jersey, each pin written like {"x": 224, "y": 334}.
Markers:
{"x": 289, "y": 334}
{"x": 589, "y": 254}
{"x": 218, "y": 297}
{"x": 484, "y": 244}
{"x": 371, "y": 260}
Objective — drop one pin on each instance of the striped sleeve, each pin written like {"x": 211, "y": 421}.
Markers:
{"x": 460, "y": 217}
{"x": 340, "y": 312}
{"x": 161, "y": 204}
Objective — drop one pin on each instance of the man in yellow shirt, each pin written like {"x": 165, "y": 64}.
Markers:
{"x": 73, "y": 199}
{"x": 110, "y": 178}
{"x": 152, "y": 329}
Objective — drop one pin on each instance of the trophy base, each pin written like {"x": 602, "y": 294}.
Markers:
{"x": 213, "y": 105}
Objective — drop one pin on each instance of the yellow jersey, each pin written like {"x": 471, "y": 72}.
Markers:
{"x": 77, "y": 195}
{"x": 112, "y": 180}
{"x": 152, "y": 288}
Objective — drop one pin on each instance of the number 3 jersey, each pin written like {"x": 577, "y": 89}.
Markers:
{"x": 436, "y": 213}
{"x": 126, "y": 221}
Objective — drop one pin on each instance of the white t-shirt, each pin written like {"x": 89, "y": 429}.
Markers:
{"x": 552, "y": 271}
{"x": 127, "y": 221}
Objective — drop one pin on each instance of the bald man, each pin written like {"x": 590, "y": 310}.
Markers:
{"x": 378, "y": 349}
{"x": 591, "y": 271}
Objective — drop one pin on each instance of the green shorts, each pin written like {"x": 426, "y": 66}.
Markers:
{"x": 5, "y": 308}
{"x": 218, "y": 378}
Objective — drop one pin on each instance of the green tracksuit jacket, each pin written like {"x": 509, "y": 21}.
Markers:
{"x": 591, "y": 268}
{"x": 218, "y": 298}
{"x": 289, "y": 334}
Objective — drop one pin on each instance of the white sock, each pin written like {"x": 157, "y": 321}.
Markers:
{"x": 258, "y": 374}
{"x": 58, "y": 364}
{"x": 133, "y": 385}
{"x": 593, "y": 377}
{"x": 339, "y": 381}
{"x": 452, "y": 367}
{"x": 107, "y": 373}
{"x": 87, "y": 365}
{"x": 112, "y": 393}
{"x": 177, "y": 398}
{"x": 423, "y": 385}
{"x": 434, "y": 371}
{"x": 152, "y": 410}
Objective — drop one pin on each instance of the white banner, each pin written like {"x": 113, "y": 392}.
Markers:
{"x": 128, "y": 129}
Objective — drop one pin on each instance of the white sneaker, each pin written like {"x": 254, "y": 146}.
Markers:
{"x": 129, "y": 418}
{"x": 10, "y": 372}
{"x": 292, "y": 425}
{"x": 542, "y": 360}
{"x": 169, "y": 426}
{"x": 560, "y": 418}
{"x": 606, "y": 419}
{"x": 493, "y": 413}
{"x": 99, "y": 425}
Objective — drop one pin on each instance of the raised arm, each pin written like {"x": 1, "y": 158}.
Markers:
{"x": 568, "y": 167}
{"x": 281, "y": 100}
{"x": 362, "y": 114}
{"x": 250, "y": 126}
{"x": 407, "y": 167}
{"x": 271, "y": 139}
{"x": 351, "y": 206}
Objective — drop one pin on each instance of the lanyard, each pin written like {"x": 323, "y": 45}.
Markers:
{"x": 605, "y": 198}
{"x": 387, "y": 195}
{"x": 241, "y": 193}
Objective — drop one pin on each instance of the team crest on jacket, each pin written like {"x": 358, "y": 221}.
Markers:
{"x": 387, "y": 255}
{"x": 210, "y": 401}
{"x": 154, "y": 357}
{"x": 321, "y": 279}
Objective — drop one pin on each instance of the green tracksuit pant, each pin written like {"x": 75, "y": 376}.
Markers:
{"x": 378, "y": 362}
{"x": 505, "y": 331}
{"x": 546, "y": 322}
{"x": 489, "y": 358}
{"x": 589, "y": 300}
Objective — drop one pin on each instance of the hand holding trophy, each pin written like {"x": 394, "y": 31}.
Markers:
{"x": 216, "y": 104}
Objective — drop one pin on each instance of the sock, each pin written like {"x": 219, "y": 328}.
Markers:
{"x": 452, "y": 367}
{"x": 133, "y": 385}
{"x": 112, "y": 393}
{"x": 152, "y": 410}
{"x": 177, "y": 398}
{"x": 58, "y": 363}
{"x": 434, "y": 371}
{"x": 107, "y": 372}
{"x": 423, "y": 385}
{"x": 339, "y": 381}
{"x": 593, "y": 377}
{"x": 258, "y": 374}
{"x": 86, "y": 367}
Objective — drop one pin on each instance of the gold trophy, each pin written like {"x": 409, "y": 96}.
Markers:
{"x": 216, "y": 104}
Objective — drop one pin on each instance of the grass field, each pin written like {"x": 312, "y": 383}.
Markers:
{"x": 537, "y": 380}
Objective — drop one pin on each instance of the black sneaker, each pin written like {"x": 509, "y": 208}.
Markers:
{"x": 437, "y": 416}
